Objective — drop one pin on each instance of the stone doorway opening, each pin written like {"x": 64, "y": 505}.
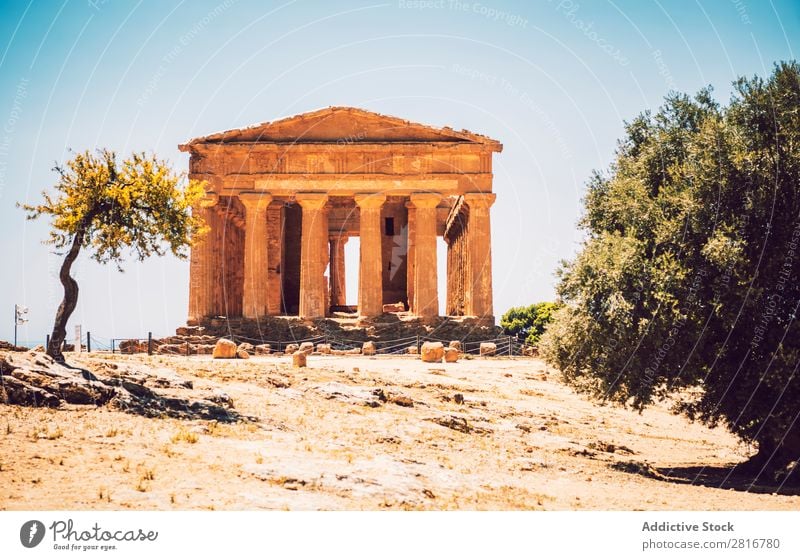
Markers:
{"x": 290, "y": 259}
{"x": 348, "y": 301}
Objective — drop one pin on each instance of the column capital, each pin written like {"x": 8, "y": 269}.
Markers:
{"x": 375, "y": 200}
{"x": 255, "y": 201}
{"x": 210, "y": 199}
{"x": 480, "y": 200}
{"x": 311, "y": 201}
{"x": 425, "y": 200}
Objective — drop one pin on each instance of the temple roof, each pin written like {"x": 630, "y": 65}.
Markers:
{"x": 344, "y": 126}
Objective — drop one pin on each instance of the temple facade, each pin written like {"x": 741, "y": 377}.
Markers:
{"x": 284, "y": 197}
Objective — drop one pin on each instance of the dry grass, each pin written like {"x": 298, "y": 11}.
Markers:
{"x": 46, "y": 431}
{"x": 184, "y": 435}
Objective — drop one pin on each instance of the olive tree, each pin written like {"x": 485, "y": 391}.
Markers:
{"x": 687, "y": 283}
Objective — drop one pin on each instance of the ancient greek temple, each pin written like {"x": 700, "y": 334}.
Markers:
{"x": 284, "y": 197}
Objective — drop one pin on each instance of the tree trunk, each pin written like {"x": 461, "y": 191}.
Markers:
{"x": 70, "y": 299}
{"x": 773, "y": 457}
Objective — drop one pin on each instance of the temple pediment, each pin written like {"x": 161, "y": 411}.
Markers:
{"x": 343, "y": 126}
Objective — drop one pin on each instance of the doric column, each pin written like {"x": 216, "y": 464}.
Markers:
{"x": 479, "y": 246}
{"x": 313, "y": 255}
{"x": 426, "y": 297}
{"x": 256, "y": 251}
{"x": 410, "y": 233}
{"x": 201, "y": 264}
{"x": 370, "y": 270}
{"x": 337, "y": 279}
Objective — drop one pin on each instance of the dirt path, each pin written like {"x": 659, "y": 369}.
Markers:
{"x": 373, "y": 433}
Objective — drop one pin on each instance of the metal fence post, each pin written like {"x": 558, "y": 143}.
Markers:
{"x": 112, "y": 346}
{"x": 149, "y": 343}
{"x": 47, "y": 342}
{"x": 510, "y": 352}
{"x": 88, "y": 341}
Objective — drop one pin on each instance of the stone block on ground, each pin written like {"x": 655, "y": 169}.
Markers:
{"x": 451, "y": 354}
{"x": 368, "y": 348}
{"x": 263, "y": 349}
{"x": 224, "y": 349}
{"x": 299, "y": 359}
{"x": 324, "y": 348}
{"x": 412, "y": 349}
{"x": 244, "y": 350}
{"x": 306, "y": 347}
{"x": 455, "y": 344}
{"x": 488, "y": 348}
{"x": 291, "y": 348}
{"x": 432, "y": 352}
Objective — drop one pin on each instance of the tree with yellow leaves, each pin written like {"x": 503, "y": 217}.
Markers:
{"x": 105, "y": 206}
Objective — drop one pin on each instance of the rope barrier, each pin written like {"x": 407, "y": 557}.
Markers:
{"x": 504, "y": 345}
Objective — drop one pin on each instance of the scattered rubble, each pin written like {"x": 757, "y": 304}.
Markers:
{"x": 352, "y": 394}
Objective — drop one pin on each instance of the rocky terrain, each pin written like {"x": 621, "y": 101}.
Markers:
{"x": 348, "y": 432}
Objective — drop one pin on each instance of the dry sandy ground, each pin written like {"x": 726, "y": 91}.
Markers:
{"x": 480, "y": 434}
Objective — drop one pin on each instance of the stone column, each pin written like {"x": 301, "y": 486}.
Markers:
{"x": 426, "y": 297}
{"x": 338, "y": 286}
{"x": 256, "y": 251}
{"x": 370, "y": 271}
{"x": 201, "y": 263}
{"x": 480, "y": 255}
{"x": 313, "y": 255}
{"x": 410, "y": 233}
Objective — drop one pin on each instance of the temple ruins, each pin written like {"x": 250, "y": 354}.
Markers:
{"x": 284, "y": 197}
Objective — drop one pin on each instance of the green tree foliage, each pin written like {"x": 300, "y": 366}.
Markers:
{"x": 687, "y": 283}
{"x": 528, "y": 323}
{"x": 105, "y": 206}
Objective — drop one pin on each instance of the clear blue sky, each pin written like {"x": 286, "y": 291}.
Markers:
{"x": 552, "y": 80}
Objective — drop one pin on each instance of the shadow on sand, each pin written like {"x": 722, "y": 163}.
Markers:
{"x": 732, "y": 477}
